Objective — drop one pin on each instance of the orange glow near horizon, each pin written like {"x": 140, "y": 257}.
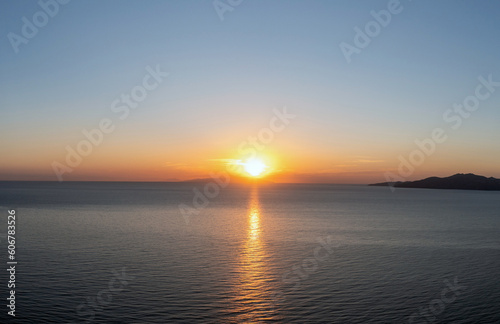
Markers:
{"x": 288, "y": 159}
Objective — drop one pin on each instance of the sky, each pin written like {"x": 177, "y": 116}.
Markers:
{"x": 321, "y": 91}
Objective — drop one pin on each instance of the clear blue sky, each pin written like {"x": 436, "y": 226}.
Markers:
{"x": 225, "y": 77}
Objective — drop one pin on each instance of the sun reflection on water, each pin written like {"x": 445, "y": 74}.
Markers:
{"x": 253, "y": 299}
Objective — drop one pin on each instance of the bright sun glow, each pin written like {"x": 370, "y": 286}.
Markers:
{"x": 254, "y": 167}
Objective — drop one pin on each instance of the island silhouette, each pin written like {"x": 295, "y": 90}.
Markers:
{"x": 461, "y": 181}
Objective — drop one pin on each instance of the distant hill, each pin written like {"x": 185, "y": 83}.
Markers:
{"x": 458, "y": 181}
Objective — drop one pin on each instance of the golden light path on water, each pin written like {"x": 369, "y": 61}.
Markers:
{"x": 254, "y": 297}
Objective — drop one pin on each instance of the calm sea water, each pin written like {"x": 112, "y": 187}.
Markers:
{"x": 123, "y": 253}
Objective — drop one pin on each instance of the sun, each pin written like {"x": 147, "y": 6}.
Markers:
{"x": 254, "y": 167}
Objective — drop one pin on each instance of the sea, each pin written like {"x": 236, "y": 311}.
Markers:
{"x": 208, "y": 252}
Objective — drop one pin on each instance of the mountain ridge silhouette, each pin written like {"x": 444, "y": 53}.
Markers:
{"x": 460, "y": 181}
